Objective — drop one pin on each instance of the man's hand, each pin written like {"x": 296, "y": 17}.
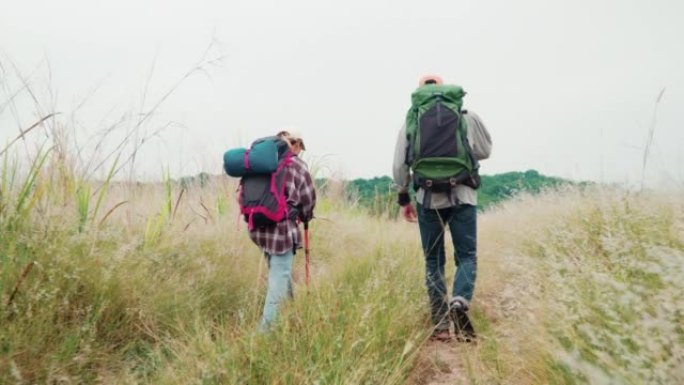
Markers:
{"x": 409, "y": 213}
{"x": 407, "y": 209}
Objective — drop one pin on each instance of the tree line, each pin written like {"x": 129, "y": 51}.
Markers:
{"x": 379, "y": 196}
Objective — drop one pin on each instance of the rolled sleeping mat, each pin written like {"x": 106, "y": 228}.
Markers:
{"x": 234, "y": 162}
{"x": 261, "y": 158}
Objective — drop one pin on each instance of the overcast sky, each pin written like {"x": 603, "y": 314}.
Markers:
{"x": 565, "y": 87}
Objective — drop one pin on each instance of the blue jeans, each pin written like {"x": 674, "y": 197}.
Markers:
{"x": 462, "y": 222}
{"x": 279, "y": 287}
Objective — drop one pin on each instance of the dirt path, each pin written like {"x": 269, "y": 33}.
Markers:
{"x": 440, "y": 364}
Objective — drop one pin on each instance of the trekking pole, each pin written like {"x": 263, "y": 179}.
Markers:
{"x": 306, "y": 252}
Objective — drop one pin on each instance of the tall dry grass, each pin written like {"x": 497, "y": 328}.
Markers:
{"x": 158, "y": 283}
{"x": 116, "y": 282}
{"x": 581, "y": 287}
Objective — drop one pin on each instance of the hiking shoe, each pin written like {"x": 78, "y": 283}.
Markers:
{"x": 441, "y": 331}
{"x": 463, "y": 328}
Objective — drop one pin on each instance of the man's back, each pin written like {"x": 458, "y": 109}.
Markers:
{"x": 481, "y": 146}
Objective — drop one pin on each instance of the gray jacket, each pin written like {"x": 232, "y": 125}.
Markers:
{"x": 481, "y": 144}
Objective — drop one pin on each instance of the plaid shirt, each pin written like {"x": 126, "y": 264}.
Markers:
{"x": 300, "y": 193}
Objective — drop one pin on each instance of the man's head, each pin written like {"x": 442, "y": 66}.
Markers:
{"x": 294, "y": 139}
{"x": 430, "y": 79}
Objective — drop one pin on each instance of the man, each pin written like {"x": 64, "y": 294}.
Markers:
{"x": 453, "y": 206}
{"x": 279, "y": 242}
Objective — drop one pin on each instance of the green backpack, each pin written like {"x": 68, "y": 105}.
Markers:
{"x": 438, "y": 150}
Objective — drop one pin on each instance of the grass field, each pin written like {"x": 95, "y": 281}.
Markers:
{"x": 125, "y": 283}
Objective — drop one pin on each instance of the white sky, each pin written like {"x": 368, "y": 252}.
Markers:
{"x": 565, "y": 87}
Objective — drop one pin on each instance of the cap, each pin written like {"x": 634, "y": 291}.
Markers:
{"x": 290, "y": 133}
{"x": 297, "y": 135}
{"x": 427, "y": 79}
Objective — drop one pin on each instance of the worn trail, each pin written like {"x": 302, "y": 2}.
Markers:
{"x": 440, "y": 364}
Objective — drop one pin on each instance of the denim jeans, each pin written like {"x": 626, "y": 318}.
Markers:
{"x": 279, "y": 287}
{"x": 462, "y": 223}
